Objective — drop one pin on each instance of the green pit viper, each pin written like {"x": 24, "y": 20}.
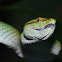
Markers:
{"x": 33, "y": 31}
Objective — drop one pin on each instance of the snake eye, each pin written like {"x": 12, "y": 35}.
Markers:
{"x": 38, "y": 20}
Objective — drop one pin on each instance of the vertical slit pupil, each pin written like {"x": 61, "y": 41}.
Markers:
{"x": 38, "y": 20}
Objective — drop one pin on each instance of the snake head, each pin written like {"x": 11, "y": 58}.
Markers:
{"x": 40, "y": 28}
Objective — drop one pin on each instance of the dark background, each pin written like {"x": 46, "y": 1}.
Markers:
{"x": 18, "y": 12}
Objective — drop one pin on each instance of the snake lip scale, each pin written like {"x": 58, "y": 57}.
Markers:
{"x": 47, "y": 26}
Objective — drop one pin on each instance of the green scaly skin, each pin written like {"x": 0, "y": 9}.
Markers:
{"x": 39, "y": 23}
{"x": 35, "y": 29}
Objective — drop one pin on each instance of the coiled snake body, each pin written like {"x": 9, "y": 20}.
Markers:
{"x": 40, "y": 28}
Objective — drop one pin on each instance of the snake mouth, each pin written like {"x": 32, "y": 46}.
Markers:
{"x": 52, "y": 26}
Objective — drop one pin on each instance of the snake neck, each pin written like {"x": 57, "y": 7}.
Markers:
{"x": 25, "y": 40}
{"x": 33, "y": 50}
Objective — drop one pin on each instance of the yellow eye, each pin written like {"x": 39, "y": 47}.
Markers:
{"x": 38, "y": 20}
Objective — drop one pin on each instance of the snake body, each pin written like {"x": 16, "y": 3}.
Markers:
{"x": 34, "y": 30}
{"x": 10, "y": 36}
